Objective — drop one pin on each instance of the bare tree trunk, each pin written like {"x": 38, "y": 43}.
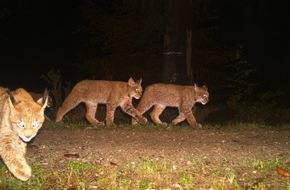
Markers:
{"x": 177, "y": 43}
{"x": 188, "y": 57}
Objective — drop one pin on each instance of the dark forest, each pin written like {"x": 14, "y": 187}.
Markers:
{"x": 239, "y": 49}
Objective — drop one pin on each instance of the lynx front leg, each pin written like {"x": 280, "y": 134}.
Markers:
{"x": 138, "y": 118}
{"x": 128, "y": 108}
{"x": 179, "y": 118}
{"x": 142, "y": 107}
{"x": 157, "y": 110}
{"x": 190, "y": 118}
{"x": 13, "y": 156}
{"x": 91, "y": 114}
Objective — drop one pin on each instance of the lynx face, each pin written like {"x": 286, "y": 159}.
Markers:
{"x": 26, "y": 118}
{"x": 202, "y": 94}
{"x": 135, "y": 89}
{"x": 26, "y": 128}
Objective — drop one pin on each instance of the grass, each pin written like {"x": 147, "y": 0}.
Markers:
{"x": 153, "y": 174}
{"x": 255, "y": 174}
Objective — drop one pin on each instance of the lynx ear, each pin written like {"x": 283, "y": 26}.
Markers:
{"x": 11, "y": 97}
{"x": 12, "y": 100}
{"x": 131, "y": 82}
{"x": 43, "y": 101}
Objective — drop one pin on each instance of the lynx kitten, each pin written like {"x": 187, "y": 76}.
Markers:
{"x": 182, "y": 97}
{"x": 111, "y": 93}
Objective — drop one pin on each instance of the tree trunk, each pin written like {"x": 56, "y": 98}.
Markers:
{"x": 177, "y": 42}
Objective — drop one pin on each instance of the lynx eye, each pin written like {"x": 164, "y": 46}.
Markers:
{"x": 137, "y": 90}
{"x": 204, "y": 95}
{"x": 35, "y": 124}
{"x": 21, "y": 124}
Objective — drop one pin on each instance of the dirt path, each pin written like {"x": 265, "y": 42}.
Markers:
{"x": 124, "y": 145}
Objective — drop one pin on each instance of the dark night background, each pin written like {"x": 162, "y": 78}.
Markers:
{"x": 92, "y": 39}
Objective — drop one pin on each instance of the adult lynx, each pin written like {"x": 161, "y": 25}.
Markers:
{"x": 20, "y": 119}
{"x": 183, "y": 97}
{"x": 112, "y": 93}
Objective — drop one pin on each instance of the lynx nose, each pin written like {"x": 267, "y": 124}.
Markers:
{"x": 27, "y": 135}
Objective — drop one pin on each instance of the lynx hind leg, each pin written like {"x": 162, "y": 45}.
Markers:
{"x": 156, "y": 112}
{"x": 70, "y": 102}
{"x": 110, "y": 115}
{"x": 180, "y": 118}
{"x": 16, "y": 164}
{"x": 91, "y": 109}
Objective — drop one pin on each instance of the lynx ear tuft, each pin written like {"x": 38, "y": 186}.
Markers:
{"x": 11, "y": 97}
{"x": 43, "y": 101}
{"x": 139, "y": 81}
{"x": 12, "y": 100}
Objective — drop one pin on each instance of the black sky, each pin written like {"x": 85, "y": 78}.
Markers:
{"x": 264, "y": 27}
{"x": 37, "y": 36}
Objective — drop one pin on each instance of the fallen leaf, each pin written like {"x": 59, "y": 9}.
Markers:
{"x": 73, "y": 186}
{"x": 72, "y": 155}
{"x": 113, "y": 163}
{"x": 282, "y": 172}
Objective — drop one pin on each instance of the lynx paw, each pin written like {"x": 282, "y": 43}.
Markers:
{"x": 23, "y": 174}
{"x": 197, "y": 126}
{"x": 142, "y": 120}
{"x": 163, "y": 124}
{"x": 98, "y": 123}
{"x": 110, "y": 125}
{"x": 134, "y": 122}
